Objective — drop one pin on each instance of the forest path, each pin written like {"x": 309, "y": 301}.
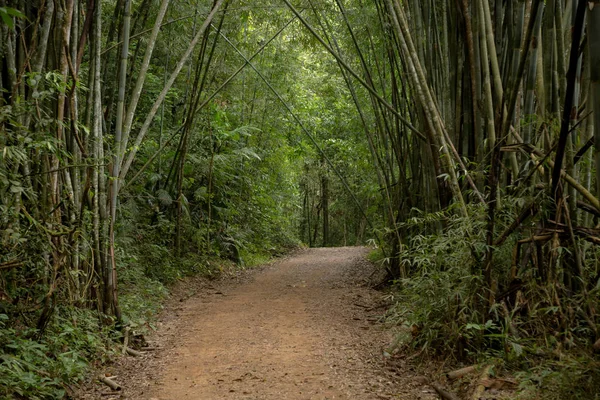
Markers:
{"x": 301, "y": 328}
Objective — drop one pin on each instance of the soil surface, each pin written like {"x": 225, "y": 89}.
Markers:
{"x": 306, "y": 327}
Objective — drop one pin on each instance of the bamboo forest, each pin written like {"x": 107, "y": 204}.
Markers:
{"x": 300, "y": 199}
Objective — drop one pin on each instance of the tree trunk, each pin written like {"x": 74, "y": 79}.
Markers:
{"x": 325, "y": 206}
{"x": 593, "y": 35}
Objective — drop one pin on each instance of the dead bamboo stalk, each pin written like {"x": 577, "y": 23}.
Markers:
{"x": 110, "y": 383}
{"x": 480, "y": 385}
{"x": 133, "y": 353}
{"x": 568, "y": 178}
{"x": 126, "y": 339}
{"x": 459, "y": 373}
{"x": 443, "y": 393}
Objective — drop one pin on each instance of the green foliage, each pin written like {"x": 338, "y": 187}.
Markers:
{"x": 440, "y": 298}
{"x": 34, "y": 368}
{"x": 143, "y": 284}
{"x": 7, "y": 14}
{"x": 376, "y": 256}
{"x": 242, "y": 182}
{"x": 441, "y": 306}
{"x": 571, "y": 377}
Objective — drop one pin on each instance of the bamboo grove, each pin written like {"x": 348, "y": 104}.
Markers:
{"x": 69, "y": 193}
{"x": 483, "y": 114}
{"x": 485, "y": 109}
{"x": 488, "y": 109}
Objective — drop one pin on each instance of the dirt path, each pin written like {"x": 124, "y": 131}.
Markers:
{"x": 302, "y": 328}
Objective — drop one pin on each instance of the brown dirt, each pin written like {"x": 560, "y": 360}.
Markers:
{"x": 302, "y": 328}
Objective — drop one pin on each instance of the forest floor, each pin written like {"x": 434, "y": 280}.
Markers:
{"x": 304, "y": 327}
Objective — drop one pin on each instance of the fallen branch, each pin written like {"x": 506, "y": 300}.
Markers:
{"x": 591, "y": 235}
{"x": 11, "y": 264}
{"x": 150, "y": 348}
{"x": 481, "y": 385}
{"x": 536, "y": 238}
{"x": 498, "y": 384}
{"x": 126, "y": 340}
{"x": 133, "y": 353}
{"x": 109, "y": 382}
{"x": 527, "y": 212}
{"x": 592, "y": 200}
{"x": 459, "y": 373}
{"x": 588, "y": 208}
{"x": 443, "y": 393}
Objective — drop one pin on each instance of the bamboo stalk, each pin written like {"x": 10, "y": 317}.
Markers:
{"x": 380, "y": 99}
{"x": 110, "y": 383}
{"x": 141, "y": 78}
{"x": 593, "y": 34}
{"x": 126, "y": 164}
{"x": 305, "y": 130}
{"x": 566, "y": 118}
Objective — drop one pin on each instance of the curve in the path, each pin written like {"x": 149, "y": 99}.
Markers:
{"x": 298, "y": 330}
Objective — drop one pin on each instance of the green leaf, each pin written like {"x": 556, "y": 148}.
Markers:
{"x": 517, "y": 348}
{"x": 7, "y": 12}
{"x": 164, "y": 197}
{"x": 15, "y": 13}
{"x": 6, "y": 18}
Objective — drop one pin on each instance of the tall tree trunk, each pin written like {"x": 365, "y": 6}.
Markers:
{"x": 531, "y": 81}
{"x": 593, "y": 34}
{"x": 122, "y": 85}
{"x": 325, "y": 206}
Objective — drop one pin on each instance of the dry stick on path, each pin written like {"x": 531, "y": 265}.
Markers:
{"x": 126, "y": 339}
{"x": 443, "y": 393}
{"x": 459, "y": 373}
{"x": 133, "y": 353}
{"x": 480, "y": 388}
{"x": 110, "y": 383}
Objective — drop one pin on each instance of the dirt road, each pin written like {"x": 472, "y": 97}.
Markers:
{"x": 302, "y": 328}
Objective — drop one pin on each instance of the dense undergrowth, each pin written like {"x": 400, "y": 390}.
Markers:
{"x": 539, "y": 331}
